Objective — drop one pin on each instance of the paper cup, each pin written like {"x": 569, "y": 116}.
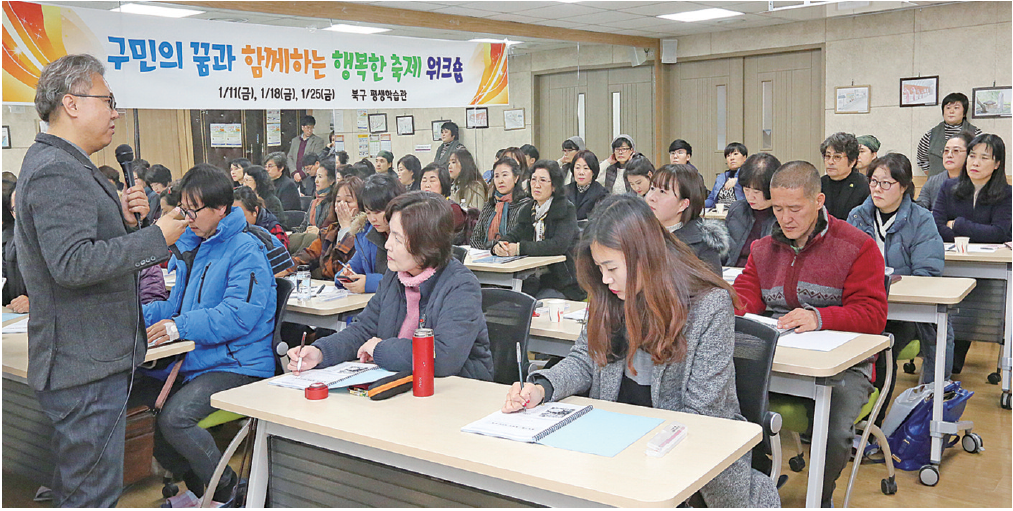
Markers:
{"x": 556, "y": 308}
{"x": 720, "y": 207}
{"x": 961, "y": 244}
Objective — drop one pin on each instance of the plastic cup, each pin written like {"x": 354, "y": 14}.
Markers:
{"x": 556, "y": 308}
{"x": 961, "y": 243}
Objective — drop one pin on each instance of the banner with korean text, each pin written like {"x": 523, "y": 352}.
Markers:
{"x": 154, "y": 62}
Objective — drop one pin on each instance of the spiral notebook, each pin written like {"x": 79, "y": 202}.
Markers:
{"x": 528, "y": 426}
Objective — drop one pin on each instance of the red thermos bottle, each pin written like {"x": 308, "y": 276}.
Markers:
{"x": 423, "y": 359}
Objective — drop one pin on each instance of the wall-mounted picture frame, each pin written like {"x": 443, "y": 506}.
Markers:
{"x": 477, "y": 118}
{"x": 513, "y": 119}
{"x": 991, "y": 102}
{"x": 378, "y": 123}
{"x": 405, "y": 124}
{"x": 919, "y": 91}
{"x": 852, "y": 100}
{"x": 437, "y": 125}
{"x": 7, "y": 137}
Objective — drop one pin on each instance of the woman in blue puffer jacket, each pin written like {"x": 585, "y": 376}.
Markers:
{"x": 907, "y": 236}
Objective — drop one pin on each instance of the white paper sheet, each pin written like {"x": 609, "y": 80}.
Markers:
{"x": 823, "y": 340}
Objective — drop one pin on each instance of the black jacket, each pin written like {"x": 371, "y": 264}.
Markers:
{"x": 855, "y": 190}
{"x": 288, "y": 193}
{"x": 739, "y": 221}
{"x": 585, "y": 202}
{"x": 560, "y": 239}
{"x": 451, "y": 305}
{"x": 708, "y": 239}
{"x": 15, "y": 284}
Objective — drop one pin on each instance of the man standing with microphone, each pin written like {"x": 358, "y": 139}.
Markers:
{"x": 80, "y": 250}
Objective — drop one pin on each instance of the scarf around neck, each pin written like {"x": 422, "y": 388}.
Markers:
{"x": 499, "y": 220}
{"x": 540, "y": 213}
{"x": 413, "y": 296}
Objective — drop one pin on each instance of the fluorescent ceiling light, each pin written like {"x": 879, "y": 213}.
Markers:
{"x": 155, "y": 10}
{"x": 356, "y": 29}
{"x": 507, "y": 41}
{"x": 701, "y": 15}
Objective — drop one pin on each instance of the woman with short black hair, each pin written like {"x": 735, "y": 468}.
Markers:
{"x": 546, "y": 227}
{"x": 426, "y": 288}
{"x": 237, "y": 169}
{"x": 751, "y": 218}
{"x": 727, "y": 188}
{"x": 369, "y": 264}
{"x": 277, "y": 166}
{"x": 954, "y": 108}
{"x": 584, "y": 191}
{"x": 256, "y": 214}
{"x": 258, "y": 179}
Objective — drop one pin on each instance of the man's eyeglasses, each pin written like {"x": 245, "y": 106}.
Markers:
{"x": 885, "y": 185}
{"x": 623, "y": 150}
{"x": 833, "y": 157}
{"x": 110, "y": 99}
{"x": 191, "y": 213}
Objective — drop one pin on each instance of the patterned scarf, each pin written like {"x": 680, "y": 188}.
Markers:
{"x": 502, "y": 211}
{"x": 540, "y": 213}
{"x": 412, "y": 298}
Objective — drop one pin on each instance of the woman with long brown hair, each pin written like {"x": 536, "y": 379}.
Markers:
{"x": 660, "y": 333}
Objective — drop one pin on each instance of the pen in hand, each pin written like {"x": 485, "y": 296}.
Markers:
{"x": 520, "y": 376}
{"x": 302, "y": 345}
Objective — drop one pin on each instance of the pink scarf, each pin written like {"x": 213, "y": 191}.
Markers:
{"x": 412, "y": 298}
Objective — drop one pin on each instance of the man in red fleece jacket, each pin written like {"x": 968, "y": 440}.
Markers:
{"x": 818, "y": 273}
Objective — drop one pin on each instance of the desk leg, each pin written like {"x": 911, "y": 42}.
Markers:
{"x": 516, "y": 284}
{"x": 818, "y": 452}
{"x": 1007, "y": 356}
{"x": 256, "y": 493}
{"x": 936, "y": 454}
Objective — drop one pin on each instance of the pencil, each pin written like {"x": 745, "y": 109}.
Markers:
{"x": 520, "y": 373}
{"x": 302, "y": 344}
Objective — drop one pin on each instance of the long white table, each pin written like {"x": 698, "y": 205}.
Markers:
{"x": 422, "y": 436}
{"x": 990, "y": 265}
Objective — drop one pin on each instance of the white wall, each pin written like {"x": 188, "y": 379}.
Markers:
{"x": 22, "y": 122}
{"x": 967, "y": 45}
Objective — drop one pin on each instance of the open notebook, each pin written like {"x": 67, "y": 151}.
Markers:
{"x": 568, "y": 426}
{"x": 335, "y": 377}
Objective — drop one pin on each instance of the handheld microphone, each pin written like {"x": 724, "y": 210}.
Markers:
{"x": 125, "y": 155}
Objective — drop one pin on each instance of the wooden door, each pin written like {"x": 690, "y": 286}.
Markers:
{"x": 782, "y": 107}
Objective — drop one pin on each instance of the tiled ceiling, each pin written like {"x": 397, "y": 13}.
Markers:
{"x": 616, "y": 17}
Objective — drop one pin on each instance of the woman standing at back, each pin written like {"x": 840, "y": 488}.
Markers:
{"x": 660, "y": 333}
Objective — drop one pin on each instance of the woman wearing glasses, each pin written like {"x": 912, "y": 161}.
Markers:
{"x": 906, "y": 236}
{"x": 425, "y": 288}
{"x": 614, "y": 177}
{"x": 546, "y": 227}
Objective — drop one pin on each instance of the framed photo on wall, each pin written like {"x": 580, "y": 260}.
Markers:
{"x": 852, "y": 100}
{"x": 991, "y": 102}
{"x": 919, "y": 91}
{"x": 7, "y": 137}
{"x": 513, "y": 119}
{"x": 378, "y": 123}
{"x": 405, "y": 124}
{"x": 478, "y": 118}
{"x": 436, "y": 129}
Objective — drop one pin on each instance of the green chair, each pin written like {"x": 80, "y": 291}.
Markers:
{"x": 910, "y": 353}
{"x": 795, "y": 419}
{"x": 219, "y": 417}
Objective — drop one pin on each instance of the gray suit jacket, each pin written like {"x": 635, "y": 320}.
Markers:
{"x": 80, "y": 266}
{"x": 314, "y": 144}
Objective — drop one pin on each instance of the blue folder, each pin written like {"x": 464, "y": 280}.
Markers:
{"x": 601, "y": 432}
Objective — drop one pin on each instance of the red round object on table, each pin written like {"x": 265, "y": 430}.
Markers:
{"x": 316, "y": 391}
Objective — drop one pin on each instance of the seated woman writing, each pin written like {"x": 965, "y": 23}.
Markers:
{"x": 546, "y": 227}
{"x": 660, "y": 333}
{"x": 427, "y": 288}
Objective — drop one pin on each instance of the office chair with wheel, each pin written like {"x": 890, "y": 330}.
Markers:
{"x": 754, "y": 355}
{"x": 508, "y": 317}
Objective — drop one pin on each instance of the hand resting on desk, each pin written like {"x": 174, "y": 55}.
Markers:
{"x": 517, "y": 399}
{"x": 802, "y": 320}
{"x": 158, "y": 334}
{"x": 19, "y": 304}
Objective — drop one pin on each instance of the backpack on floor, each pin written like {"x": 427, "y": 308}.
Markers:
{"x": 911, "y": 443}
